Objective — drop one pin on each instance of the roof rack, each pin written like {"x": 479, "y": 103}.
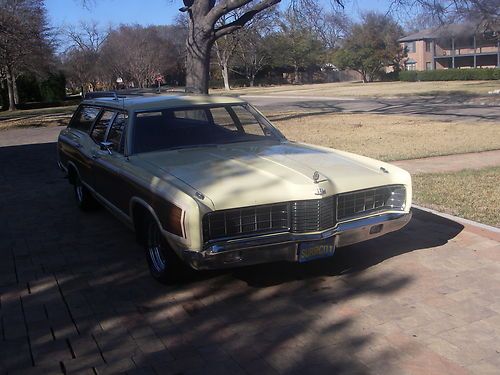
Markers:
{"x": 101, "y": 94}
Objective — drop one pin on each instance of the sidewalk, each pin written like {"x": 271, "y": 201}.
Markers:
{"x": 451, "y": 163}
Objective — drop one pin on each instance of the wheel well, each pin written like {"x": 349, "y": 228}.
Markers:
{"x": 139, "y": 216}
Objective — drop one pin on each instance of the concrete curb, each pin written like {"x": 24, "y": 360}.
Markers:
{"x": 459, "y": 219}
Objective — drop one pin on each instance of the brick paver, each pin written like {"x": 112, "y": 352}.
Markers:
{"x": 76, "y": 297}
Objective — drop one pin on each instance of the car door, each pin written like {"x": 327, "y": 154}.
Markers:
{"x": 75, "y": 144}
{"x": 108, "y": 163}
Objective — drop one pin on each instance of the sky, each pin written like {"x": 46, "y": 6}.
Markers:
{"x": 151, "y": 12}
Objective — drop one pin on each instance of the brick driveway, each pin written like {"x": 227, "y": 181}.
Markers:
{"x": 76, "y": 297}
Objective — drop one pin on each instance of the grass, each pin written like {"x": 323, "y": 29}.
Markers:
{"x": 44, "y": 117}
{"x": 388, "y": 137}
{"x": 24, "y": 113}
{"x": 374, "y": 89}
{"x": 472, "y": 194}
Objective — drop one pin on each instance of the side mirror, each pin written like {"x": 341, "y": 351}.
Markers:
{"x": 106, "y": 146}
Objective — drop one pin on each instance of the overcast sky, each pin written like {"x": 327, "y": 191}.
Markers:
{"x": 151, "y": 12}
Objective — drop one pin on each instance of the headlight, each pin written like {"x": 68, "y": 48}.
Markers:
{"x": 397, "y": 198}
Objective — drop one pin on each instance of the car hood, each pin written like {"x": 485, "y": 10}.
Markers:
{"x": 247, "y": 174}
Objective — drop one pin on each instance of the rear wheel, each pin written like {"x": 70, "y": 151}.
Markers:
{"x": 84, "y": 198}
{"x": 164, "y": 265}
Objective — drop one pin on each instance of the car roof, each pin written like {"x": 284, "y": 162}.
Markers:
{"x": 152, "y": 102}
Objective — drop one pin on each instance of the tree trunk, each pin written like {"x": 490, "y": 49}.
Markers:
{"x": 225, "y": 77}
{"x": 16, "y": 93}
{"x": 198, "y": 46}
{"x": 296, "y": 78}
{"x": 10, "y": 88}
{"x": 252, "y": 80}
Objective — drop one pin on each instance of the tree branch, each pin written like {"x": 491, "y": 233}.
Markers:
{"x": 244, "y": 18}
{"x": 224, "y": 7}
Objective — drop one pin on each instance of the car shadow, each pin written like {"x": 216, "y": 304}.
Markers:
{"x": 76, "y": 294}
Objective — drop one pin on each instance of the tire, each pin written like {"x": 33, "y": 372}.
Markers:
{"x": 164, "y": 264}
{"x": 84, "y": 199}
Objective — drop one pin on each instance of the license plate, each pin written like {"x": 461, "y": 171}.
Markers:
{"x": 316, "y": 250}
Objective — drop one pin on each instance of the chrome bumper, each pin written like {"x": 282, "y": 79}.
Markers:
{"x": 284, "y": 246}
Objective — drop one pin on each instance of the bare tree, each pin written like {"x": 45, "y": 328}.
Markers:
{"x": 484, "y": 13}
{"x": 81, "y": 58}
{"x": 253, "y": 52}
{"x": 225, "y": 48}
{"x": 138, "y": 54}
{"x": 227, "y": 45}
{"x": 24, "y": 41}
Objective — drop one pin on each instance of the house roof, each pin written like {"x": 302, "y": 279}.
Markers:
{"x": 461, "y": 29}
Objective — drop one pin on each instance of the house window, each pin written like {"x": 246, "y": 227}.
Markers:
{"x": 428, "y": 65}
{"x": 410, "y": 47}
{"x": 427, "y": 46}
{"x": 411, "y": 66}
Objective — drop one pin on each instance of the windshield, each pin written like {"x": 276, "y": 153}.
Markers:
{"x": 199, "y": 126}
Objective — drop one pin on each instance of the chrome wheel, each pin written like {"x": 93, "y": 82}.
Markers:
{"x": 156, "y": 249}
{"x": 79, "y": 192}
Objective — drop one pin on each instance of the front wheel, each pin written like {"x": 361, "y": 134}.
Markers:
{"x": 164, "y": 265}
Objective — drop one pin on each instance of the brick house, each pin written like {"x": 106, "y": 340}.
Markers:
{"x": 451, "y": 46}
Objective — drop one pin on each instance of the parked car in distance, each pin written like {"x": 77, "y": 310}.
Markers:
{"x": 207, "y": 182}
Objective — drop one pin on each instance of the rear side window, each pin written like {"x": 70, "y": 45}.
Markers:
{"x": 117, "y": 132}
{"x": 84, "y": 118}
{"x": 101, "y": 126}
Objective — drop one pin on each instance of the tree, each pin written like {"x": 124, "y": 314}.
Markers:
{"x": 25, "y": 44}
{"x": 371, "y": 46}
{"x": 204, "y": 16}
{"x": 252, "y": 55}
{"x": 81, "y": 59}
{"x": 484, "y": 13}
{"x": 225, "y": 48}
{"x": 296, "y": 44}
{"x": 242, "y": 43}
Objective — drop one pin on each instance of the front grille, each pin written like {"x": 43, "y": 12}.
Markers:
{"x": 245, "y": 221}
{"x": 312, "y": 215}
{"x": 301, "y": 216}
{"x": 370, "y": 200}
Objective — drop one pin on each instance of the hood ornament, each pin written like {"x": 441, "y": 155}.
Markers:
{"x": 316, "y": 177}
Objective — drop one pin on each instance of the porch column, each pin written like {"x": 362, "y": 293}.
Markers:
{"x": 475, "y": 52}
{"x": 453, "y": 53}
{"x": 433, "y": 48}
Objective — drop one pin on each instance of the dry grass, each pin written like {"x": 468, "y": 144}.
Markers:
{"x": 36, "y": 118}
{"x": 472, "y": 194}
{"x": 388, "y": 137}
{"x": 375, "y": 89}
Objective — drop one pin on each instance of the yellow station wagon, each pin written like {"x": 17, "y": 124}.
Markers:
{"x": 207, "y": 182}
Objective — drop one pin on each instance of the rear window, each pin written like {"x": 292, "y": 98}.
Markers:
{"x": 84, "y": 118}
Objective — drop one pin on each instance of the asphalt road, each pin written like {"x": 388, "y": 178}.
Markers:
{"x": 449, "y": 108}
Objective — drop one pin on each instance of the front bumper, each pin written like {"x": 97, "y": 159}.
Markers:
{"x": 284, "y": 246}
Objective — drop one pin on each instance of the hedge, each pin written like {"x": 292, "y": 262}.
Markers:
{"x": 450, "y": 74}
